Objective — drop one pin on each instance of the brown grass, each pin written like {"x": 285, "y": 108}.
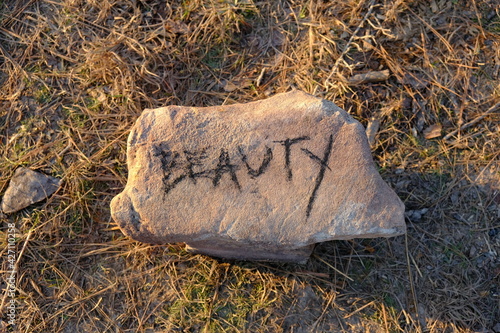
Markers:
{"x": 76, "y": 74}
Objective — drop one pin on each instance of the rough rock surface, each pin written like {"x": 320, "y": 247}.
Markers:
{"x": 27, "y": 187}
{"x": 257, "y": 181}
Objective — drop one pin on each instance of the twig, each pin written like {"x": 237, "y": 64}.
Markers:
{"x": 7, "y": 56}
{"x": 348, "y": 45}
{"x": 15, "y": 12}
{"x": 358, "y": 310}
{"x": 332, "y": 267}
{"x": 472, "y": 122}
{"x": 412, "y": 286}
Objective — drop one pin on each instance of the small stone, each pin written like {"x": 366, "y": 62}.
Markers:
{"x": 413, "y": 215}
{"x": 27, "y": 187}
{"x": 371, "y": 130}
{"x": 259, "y": 181}
{"x": 416, "y": 215}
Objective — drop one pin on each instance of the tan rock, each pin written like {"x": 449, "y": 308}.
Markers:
{"x": 258, "y": 181}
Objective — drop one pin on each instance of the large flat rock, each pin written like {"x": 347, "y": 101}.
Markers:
{"x": 259, "y": 181}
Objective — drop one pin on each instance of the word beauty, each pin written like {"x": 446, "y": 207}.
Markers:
{"x": 190, "y": 165}
{"x": 259, "y": 181}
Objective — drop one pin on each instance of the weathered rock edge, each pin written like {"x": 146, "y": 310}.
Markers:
{"x": 255, "y": 218}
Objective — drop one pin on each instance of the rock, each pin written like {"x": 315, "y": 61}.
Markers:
{"x": 27, "y": 187}
{"x": 258, "y": 181}
{"x": 416, "y": 215}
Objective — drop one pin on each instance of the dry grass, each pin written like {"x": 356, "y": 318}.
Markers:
{"x": 75, "y": 75}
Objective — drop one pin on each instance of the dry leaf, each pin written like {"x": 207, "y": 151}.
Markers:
{"x": 433, "y": 131}
{"x": 230, "y": 86}
{"x": 369, "y": 248}
{"x": 434, "y": 7}
{"x": 177, "y": 27}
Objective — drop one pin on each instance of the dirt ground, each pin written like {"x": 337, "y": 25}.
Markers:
{"x": 422, "y": 75}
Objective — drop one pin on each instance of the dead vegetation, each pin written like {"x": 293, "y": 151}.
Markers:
{"x": 75, "y": 75}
